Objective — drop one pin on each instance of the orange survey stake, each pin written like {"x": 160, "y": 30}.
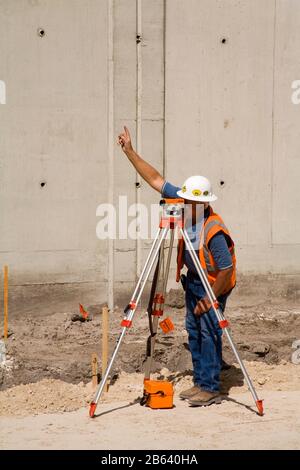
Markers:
{"x": 167, "y": 325}
{"x": 83, "y": 312}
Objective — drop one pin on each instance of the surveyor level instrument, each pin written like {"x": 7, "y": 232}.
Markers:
{"x": 172, "y": 219}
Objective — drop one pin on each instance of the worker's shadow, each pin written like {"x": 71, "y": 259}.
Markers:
{"x": 231, "y": 377}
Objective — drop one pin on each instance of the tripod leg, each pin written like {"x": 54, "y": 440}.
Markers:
{"x": 146, "y": 263}
{"x": 93, "y": 405}
{"x": 222, "y": 321}
{"x": 130, "y": 311}
{"x": 153, "y": 321}
{"x": 149, "y": 359}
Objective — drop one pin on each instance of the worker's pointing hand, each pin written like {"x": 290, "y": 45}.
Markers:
{"x": 124, "y": 140}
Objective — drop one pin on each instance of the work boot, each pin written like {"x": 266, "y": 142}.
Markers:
{"x": 190, "y": 392}
{"x": 204, "y": 398}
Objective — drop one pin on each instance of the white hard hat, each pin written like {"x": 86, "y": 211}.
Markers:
{"x": 197, "y": 188}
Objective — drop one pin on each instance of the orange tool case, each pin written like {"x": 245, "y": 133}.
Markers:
{"x": 158, "y": 394}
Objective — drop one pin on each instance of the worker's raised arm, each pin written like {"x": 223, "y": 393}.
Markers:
{"x": 147, "y": 172}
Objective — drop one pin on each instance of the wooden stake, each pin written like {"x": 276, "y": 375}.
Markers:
{"x": 105, "y": 327}
{"x": 5, "y": 302}
{"x": 94, "y": 370}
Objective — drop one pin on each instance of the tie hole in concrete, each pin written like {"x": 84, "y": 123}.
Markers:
{"x": 41, "y": 32}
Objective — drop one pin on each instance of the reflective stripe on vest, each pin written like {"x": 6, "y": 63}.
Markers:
{"x": 210, "y": 224}
{"x": 207, "y": 255}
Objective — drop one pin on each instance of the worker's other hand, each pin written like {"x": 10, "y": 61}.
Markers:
{"x": 202, "y": 306}
{"x": 124, "y": 140}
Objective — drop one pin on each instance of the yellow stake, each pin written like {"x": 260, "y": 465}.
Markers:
{"x": 5, "y": 302}
{"x": 94, "y": 370}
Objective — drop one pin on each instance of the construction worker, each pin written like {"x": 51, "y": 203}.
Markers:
{"x": 217, "y": 257}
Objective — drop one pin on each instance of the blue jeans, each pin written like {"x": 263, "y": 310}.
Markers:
{"x": 205, "y": 338}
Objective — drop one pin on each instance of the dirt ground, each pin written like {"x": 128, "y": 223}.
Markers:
{"x": 54, "y": 346}
{"x": 45, "y": 382}
{"x": 48, "y": 421}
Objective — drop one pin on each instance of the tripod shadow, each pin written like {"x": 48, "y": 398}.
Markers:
{"x": 132, "y": 403}
{"x": 237, "y": 402}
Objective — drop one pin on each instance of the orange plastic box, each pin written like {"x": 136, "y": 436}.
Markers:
{"x": 159, "y": 394}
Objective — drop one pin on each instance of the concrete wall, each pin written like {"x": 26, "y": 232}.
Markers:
{"x": 237, "y": 122}
{"x": 222, "y": 109}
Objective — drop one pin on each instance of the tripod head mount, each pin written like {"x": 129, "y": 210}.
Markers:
{"x": 172, "y": 209}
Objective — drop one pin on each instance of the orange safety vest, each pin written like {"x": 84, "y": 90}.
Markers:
{"x": 212, "y": 225}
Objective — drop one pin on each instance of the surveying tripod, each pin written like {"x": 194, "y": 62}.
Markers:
{"x": 172, "y": 219}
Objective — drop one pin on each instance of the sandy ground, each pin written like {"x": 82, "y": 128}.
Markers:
{"x": 129, "y": 426}
{"x": 45, "y": 384}
{"x": 121, "y": 423}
